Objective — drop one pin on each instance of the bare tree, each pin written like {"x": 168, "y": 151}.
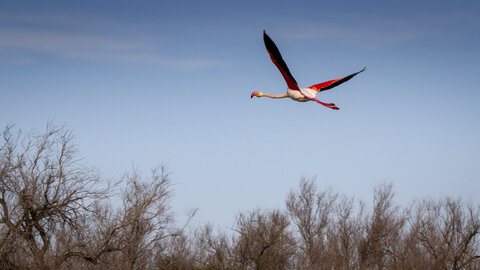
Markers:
{"x": 53, "y": 215}
{"x": 264, "y": 241}
{"x": 379, "y": 247}
{"x": 43, "y": 189}
{"x": 145, "y": 218}
{"x": 448, "y": 233}
{"x": 176, "y": 253}
{"x": 311, "y": 212}
{"x": 137, "y": 233}
{"x": 214, "y": 251}
{"x": 345, "y": 234}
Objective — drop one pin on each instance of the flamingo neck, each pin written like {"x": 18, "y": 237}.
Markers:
{"x": 274, "y": 96}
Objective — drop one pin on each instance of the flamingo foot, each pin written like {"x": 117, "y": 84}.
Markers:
{"x": 328, "y": 105}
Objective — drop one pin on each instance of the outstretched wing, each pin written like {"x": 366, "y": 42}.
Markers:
{"x": 331, "y": 84}
{"x": 278, "y": 61}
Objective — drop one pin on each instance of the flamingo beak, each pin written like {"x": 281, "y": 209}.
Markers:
{"x": 253, "y": 94}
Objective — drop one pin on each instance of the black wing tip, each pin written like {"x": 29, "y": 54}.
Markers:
{"x": 269, "y": 44}
{"x": 363, "y": 69}
{"x": 265, "y": 36}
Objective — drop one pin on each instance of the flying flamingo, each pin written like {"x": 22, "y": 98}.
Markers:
{"x": 293, "y": 91}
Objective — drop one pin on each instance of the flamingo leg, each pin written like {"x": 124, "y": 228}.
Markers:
{"x": 328, "y": 105}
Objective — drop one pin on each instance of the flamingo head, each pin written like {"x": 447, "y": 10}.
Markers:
{"x": 256, "y": 93}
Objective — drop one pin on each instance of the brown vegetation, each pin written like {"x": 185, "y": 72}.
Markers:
{"x": 56, "y": 213}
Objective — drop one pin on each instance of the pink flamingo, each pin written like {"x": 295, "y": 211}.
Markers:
{"x": 293, "y": 91}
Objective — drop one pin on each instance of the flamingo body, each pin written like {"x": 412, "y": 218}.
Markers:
{"x": 293, "y": 91}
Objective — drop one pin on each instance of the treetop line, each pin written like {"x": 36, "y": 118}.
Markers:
{"x": 54, "y": 214}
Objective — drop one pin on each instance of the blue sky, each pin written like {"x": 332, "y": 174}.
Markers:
{"x": 169, "y": 82}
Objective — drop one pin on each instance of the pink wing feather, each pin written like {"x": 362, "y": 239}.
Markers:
{"x": 279, "y": 62}
{"x": 333, "y": 83}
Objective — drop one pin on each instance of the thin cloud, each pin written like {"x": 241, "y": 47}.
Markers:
{"x": 66, "y": 20}
{"x": 177, "y": 63}
{"x": 365, "y": 35}
{"x": 89, "y": 45}
{"x": 66, "y": 44}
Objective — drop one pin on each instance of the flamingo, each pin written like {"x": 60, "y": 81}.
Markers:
{"x": 293, "y": 91}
